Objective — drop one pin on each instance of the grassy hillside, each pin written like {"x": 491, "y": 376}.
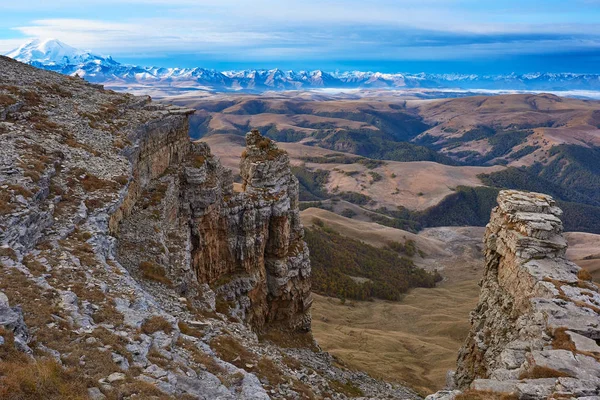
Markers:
{"x": 471, "y": 206}
{"x": 348, "y": 268}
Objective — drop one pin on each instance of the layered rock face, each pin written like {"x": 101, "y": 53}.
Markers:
{"x": 262, "y": 244}
{"x": 245, "y": 248}
{"x": 536, "y": 329}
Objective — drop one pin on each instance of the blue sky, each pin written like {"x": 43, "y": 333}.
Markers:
{"x": 467, "y": 36}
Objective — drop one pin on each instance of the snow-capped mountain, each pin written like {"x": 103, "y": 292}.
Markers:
{"x": 52, "y": 52}
{"x": 60, "y": 57}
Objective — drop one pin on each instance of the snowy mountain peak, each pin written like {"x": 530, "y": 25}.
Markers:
{"x": 57, "y": 56}
{"x": 54, "y": 52}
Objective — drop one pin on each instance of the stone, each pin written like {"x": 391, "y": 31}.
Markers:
{"x": 115, "y": 377}
{"x": 443, "y": 395}
{"x": 11, "y": 319}
{"x": 95, "y": 394}
{"x": 584, "y": 344}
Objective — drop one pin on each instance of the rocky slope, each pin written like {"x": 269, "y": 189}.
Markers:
{"x": 131, "y": 269}
{"x": 535, "y": 331}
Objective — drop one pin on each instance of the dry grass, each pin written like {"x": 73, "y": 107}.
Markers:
{"x": 23, "y": 191}
{"x": 267, "y": 369}
{"x": 415, "y": 340}
{"x": 154, "y": 272}
{"x": 6, "y": 206}
{"x": 92, "y": 183}
{"x": 56, "y": 89}
{"x": 346, "y": 388}
{"x": 540, "y": 372}
{"x": 291, "y": 363}
{"x": 232, "y": 380}
{"x": 159, "y": 359}
{"x": 108, "y": 314}
{"x": 153, "y": 196}
{"x": 121, "y": 143}
{"x": 33, "y": 265}
{"x": 232, "y": 351}
{"x": 263, "y": 144}
{"x": 32, "y": 99}
{"x": 198, "y": 161}
{"x": 121, "y": 179}
{"x": 562, "y": 340}
{"x": 155, "y": 324}
{"x": 199, "y": 357}
{"x": 42, "y": 123}
{"x": 584, "y": 275}
{"x": 72, "y": 142}
{"x": 76, "y": 243}
{"x": 485, "y": 395}
{"x": 290, "y": 340}
{"x": 33, "y": 168}
{"x": 8, "y": 252}
{"x": 6, "y": 100}
{"x": 24, "y": 379}
{"x": 138, "y": 390}
{"x": 41, "y": 379}
{"x": 303, "y": 390}
{"x": 188, "y": 330}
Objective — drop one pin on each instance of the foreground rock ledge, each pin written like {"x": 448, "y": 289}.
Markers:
{"x": 536, "y": 329}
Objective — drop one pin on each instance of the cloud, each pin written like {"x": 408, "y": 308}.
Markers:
{"x": 311, "y": 29}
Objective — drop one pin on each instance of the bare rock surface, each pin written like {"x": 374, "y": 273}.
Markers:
{"x": 536, "y": 328}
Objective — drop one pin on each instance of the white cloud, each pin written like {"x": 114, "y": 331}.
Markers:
{"x": 321, "y": 29}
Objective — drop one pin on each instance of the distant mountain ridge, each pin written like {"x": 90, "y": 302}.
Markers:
{"x": 57, "y": 56}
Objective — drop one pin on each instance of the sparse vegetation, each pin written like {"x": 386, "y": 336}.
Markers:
{"x": 198, "y": 161}
{"x": 155, "y": 324}
{"x": 346, "y": 388}
{"x": 22, "y": 378}
{"x": 154, "y": 272}
{"x": 8, "y": 252}
{"x": 584, "y": 275}
{"x": 312, "y": 183}
{"x": 348, "y": 213}
{"x": 6, "y": 100}
{"x": 355, "y": 198}
{"x": 471, "y": 394}
{"x": 375, "y": 177}
{"x": 540, "y": 372}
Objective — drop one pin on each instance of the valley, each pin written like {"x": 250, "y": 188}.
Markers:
{"x": 413, "y": 164}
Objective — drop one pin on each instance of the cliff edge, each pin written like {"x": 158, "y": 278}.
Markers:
{"x": 536, "y": 330}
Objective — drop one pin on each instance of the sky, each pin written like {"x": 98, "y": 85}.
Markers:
{"x": 438, "y": 36}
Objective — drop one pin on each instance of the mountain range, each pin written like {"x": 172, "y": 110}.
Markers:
{"x": 57, "y": 56}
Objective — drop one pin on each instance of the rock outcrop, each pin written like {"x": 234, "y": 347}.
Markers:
{"x": 12, "y": 324}
{"x": 536, "y": 330}
{"x": 244, "y": 248}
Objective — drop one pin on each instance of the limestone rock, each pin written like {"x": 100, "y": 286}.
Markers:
{"x": 534, "y": 332}
{"x": 11, "y": 319}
